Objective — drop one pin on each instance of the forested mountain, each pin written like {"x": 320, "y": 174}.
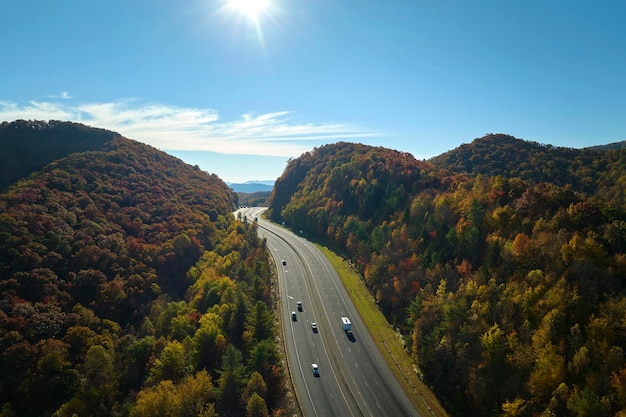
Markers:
{"x": 503, "y": 263}
{"x": 127, "y": 288}
{"x": 591, "y": 170}
{"x": 610, "y": 146}
{"x": 29, "y": 145}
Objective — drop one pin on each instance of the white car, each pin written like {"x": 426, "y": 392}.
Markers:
{"x": 314, "y": 327}
{"x": 315, "y": 369}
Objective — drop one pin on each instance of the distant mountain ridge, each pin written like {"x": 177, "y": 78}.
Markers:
{"x": 252, "y": 186}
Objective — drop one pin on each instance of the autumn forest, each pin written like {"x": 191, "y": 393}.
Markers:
{"x": 502, "y": 262}
{"x": 128, "y": 288}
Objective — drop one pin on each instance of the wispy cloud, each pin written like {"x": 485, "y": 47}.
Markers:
{"x": 34, "y": 110}
{"x": 191, "y": 129}
{"x": 63, "y": 95}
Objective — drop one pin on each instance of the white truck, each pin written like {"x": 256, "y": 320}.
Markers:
{"x": 347, "y": 326}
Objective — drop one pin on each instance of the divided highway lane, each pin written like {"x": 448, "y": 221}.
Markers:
{"x": 318, "y": 396}
{"x": 354, "y": 379}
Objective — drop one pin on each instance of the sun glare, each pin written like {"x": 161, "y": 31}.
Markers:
{"x": 250, "y": 15}
{"x": 252, "y": 8}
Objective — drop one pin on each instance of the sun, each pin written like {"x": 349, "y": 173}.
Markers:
{"x": 251, "y": 8}
{"x": 251, "y": 15}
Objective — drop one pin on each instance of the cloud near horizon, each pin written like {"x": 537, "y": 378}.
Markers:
{"x": 190, "y": 129}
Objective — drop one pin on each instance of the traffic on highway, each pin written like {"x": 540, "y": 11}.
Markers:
{"x": 335, "y": 366}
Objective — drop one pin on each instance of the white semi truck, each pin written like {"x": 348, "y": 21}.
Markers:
{"x": 347, "y": 326}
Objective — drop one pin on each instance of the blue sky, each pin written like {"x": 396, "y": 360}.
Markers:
{"x": 239, "y": 94}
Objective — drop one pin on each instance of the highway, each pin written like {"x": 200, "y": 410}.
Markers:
{"x": 353, "y": 378}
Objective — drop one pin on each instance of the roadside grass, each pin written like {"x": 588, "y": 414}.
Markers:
{"x": 386, "y": 338}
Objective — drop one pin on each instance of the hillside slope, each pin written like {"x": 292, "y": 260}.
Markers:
{"x": 590, "y": 170}
{"x": 507, "y": 280}
{"x": 347, "y": 179}
{"x": 127, "y": 286}
{"x": 29, "y": 145}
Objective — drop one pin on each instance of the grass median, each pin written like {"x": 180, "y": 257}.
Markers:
{"x": 386, "y": 338}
